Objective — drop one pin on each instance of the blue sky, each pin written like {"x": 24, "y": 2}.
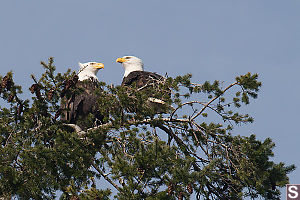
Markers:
{"x": 210, "y": 39}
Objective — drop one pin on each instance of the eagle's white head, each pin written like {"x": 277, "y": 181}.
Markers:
{"x": 130, "y": 64}
{"x": 89, "y": 70}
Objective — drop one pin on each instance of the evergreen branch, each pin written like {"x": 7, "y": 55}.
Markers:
{"x": 180, "y": 143}
{"x": 213, "y": 99}
{"x": 197, "y": 84}
{"x": 124, "y": 148}
{"x": 191, "y": 103}
{"x": 137, "y": 122}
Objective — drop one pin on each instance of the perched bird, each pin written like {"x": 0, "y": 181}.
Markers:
{"x": 135, "y": 75}
{"x": 80, "y": 105}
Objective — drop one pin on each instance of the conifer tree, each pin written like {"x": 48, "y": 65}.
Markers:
{"x": 189, "y": 151}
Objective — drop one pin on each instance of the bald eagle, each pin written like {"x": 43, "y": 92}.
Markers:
{"x": 135, "y": 75}
{"x": 77, "y": 106}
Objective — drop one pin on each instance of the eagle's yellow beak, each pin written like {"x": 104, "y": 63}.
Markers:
{"x": 121, "y": 60}
{"x": 98, "y": 65}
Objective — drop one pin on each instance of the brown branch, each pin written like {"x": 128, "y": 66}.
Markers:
{"x": 105, "y": 176}
{"x": 7, "y": 141}
{"x": 199, "y": 129}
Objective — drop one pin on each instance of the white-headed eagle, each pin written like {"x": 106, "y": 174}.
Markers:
{"x": 135, "y": 75}
{"x": 77, "y": 106}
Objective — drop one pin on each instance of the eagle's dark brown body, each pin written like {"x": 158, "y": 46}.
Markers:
{"x": 141, "y": 78}
{"x": 78, "y": 106}
{"x": 149, "y": 83}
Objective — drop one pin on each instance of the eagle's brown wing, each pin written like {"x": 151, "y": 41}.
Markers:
{"x": 141, "y": 78}
{"x": 81, "y": 103}
{"x": 153, "y": 85}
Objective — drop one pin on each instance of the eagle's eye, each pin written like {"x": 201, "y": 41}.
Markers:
{"x": 127, "y": 57}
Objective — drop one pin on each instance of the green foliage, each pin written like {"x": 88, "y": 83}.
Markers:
{"x": 144, "y": 152}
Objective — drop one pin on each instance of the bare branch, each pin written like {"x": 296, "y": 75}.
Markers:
{"x": 136, "y": 122}
{"x": 105, "y": 176}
